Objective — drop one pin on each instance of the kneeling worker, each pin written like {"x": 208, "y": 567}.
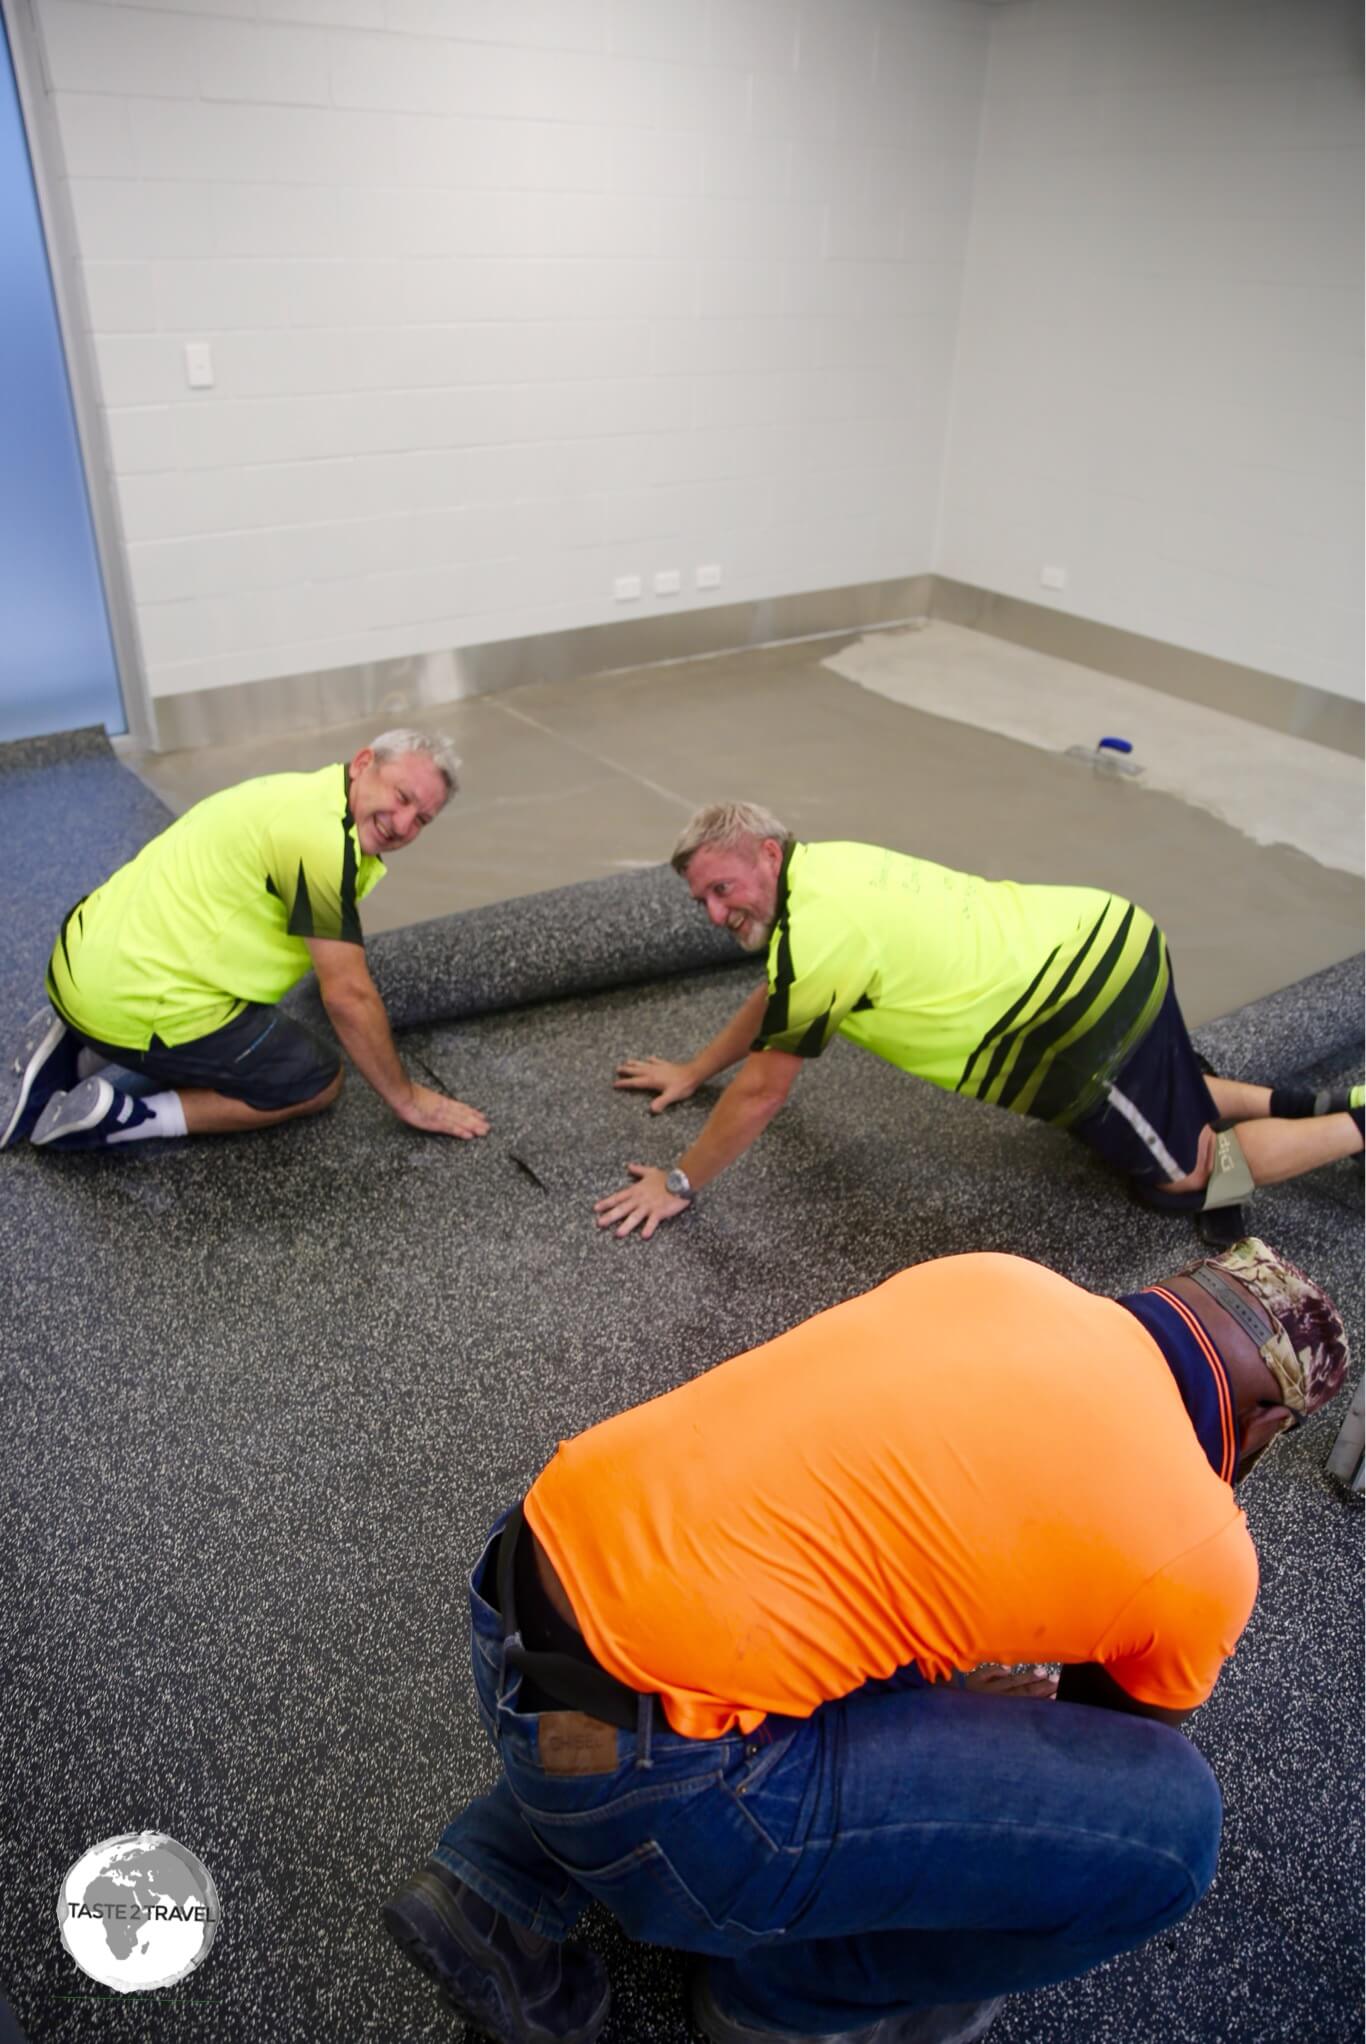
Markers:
{"x": 712, "y": 1645}
{"x": 1057, "y": 1002}
{"x": 173, "y": 967}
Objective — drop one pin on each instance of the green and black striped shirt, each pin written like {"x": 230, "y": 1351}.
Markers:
{"x": 1031, "y": 997}
{"x": 214, "y": 913}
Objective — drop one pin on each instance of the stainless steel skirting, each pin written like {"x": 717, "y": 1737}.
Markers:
{"x": 394, "y": 691}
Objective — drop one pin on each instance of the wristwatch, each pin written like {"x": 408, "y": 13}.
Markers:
{"x": 679, "y": 1183}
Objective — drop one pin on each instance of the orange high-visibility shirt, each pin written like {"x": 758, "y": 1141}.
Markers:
{"x": 977, "y": 1461}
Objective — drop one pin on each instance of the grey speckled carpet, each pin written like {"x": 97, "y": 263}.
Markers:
{"x": 261, "y": 1396}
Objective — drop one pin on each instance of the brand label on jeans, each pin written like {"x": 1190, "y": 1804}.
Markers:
{"x": 571, "y": 1743}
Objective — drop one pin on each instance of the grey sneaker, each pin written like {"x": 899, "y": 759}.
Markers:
{"x": 44, "y": 1063}
{"x": 951, "y": 2023}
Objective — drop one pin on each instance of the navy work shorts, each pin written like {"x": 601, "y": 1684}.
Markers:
{"x": 261, "y": 1057}
{"x": 1150, "y": 1125}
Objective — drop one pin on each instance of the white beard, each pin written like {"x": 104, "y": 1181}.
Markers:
{"x": 753, "y": 936}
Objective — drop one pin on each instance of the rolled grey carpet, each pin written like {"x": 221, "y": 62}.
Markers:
{"x": 632, "y": 928}
{"x": 1272, "y": 1041}
{"x": 620, "y": 931}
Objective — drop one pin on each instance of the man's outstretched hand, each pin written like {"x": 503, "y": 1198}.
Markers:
{"x": 655, "y": 1075}
{"x": 642, "y": 1205}
{"x": 438, "y": 1115}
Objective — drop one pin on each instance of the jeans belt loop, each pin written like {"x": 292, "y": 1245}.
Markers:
{"x": 511, "y": 1528}
{"x": 645, "y": 1725}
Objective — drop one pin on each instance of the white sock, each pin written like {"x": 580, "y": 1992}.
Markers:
{"x": 165, "y": 1117}
{"x": 89, "y": 1061}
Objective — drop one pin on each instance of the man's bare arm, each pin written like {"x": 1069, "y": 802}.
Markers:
{"x": 743, "y": 1112}
{"x": 671, "y": 1081}
{"x": 356, "y": 1012}
{"x": 1088, "y": 1682}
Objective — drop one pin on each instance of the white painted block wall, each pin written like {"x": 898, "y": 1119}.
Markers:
{"x": 509, "y": 298}
{"x": 1159, "y": 379}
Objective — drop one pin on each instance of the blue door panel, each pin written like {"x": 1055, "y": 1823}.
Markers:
{"x": 57, "y": 668}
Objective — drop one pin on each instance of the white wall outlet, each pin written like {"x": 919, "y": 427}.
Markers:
{"x": 668, "y": 582}
{"x": 199, "y": 365}
{"x": 1053, "y": 578}
{"x": 709, "y": 577}
{"x": 626, "y": 588}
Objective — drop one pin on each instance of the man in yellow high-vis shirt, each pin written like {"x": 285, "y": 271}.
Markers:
{"x": 1057, "y": 1002}
{"x": 172, "y": 969}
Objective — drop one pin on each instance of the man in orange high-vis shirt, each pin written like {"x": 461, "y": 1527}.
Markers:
{"x": 715, "y": 1647}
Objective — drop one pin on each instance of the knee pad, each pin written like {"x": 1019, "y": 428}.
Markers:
{"x": 1230, "y": 1180}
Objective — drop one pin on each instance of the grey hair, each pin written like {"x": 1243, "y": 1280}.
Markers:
{"x": 726, "y": 824}
{"x": 433, "y": 745}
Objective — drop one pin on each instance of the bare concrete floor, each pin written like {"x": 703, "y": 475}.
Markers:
{"x": 569, "y": 780}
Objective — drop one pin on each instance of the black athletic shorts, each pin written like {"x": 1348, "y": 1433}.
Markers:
{"x": 261, "y": 1057}
{"x": 1158, "y": 1103}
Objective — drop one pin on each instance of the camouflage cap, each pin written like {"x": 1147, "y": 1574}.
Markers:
{"x": 1307, "y": 1352}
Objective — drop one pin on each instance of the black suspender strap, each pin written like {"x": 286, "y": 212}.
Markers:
{"x": 575, "y": 1684}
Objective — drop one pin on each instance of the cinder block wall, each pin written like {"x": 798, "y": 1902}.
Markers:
{"x": 508, "y": 299}
{"x": 1159, "y": 383}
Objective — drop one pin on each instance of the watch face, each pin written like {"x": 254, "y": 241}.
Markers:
{"x": 677, "y": 1183}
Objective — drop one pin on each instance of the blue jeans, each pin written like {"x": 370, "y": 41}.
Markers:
{"x": 904, "y": 1846}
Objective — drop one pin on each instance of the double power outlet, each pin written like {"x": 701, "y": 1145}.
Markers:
{"x": 665, "y": 582}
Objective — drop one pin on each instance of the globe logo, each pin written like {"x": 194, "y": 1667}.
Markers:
{"x": 138, "y": 1912}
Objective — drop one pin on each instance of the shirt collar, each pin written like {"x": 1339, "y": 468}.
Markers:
{"x": 779, "y": 931}
{"x": 1199, "y": 1372}
{"x": 367, "y": 860}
